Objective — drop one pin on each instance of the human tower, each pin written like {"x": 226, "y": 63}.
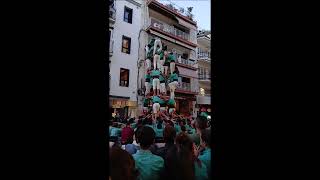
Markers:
{"x": 161, "y": 74}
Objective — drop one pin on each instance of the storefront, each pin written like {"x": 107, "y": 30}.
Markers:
{"x": 123, "y": 106}
{"x": 185, "y": 104}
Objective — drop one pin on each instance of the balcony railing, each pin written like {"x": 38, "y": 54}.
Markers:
{"x": 204, "y": 77}
{"x": 169, "y": 29}
{"x": 184, "y": 86}
{"x": 187, "y": 87}
{"x": 183, "y": 61}
{"x": 111, "y": 48}
{"x": 112, "y": 13}
{"x": 204, "y": 55}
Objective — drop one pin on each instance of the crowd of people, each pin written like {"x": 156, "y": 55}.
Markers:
{"x": 168, "y": 147}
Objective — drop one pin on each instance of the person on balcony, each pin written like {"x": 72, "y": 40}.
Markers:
{"x": 147, "y": 83}
{"x": 173, "y": 83}
{"x": 155, "y": 82}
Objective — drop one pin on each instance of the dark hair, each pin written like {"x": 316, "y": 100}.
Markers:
{"x": 206, "y": 136}
{"x": 159, "y": 125}
{"x": 179, "y": 163}
{"x": 169, "y": 134}
{"x": 183, "y": 128}
{"x": 137, "y": 133}
{"x": 122, "y": 165}
{"x": 131, "y": 120}
{"x": 146, "y": 137}
{"x": 201, "y": 122}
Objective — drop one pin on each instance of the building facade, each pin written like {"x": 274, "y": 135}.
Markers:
{"x": 179, "y": 33}
{"x": 204, "y": 71}
{"x": 125, "y": 24}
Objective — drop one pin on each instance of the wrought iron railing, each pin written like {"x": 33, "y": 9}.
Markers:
{"x": 204, "y": 55}
{"x": 169, "y": 29}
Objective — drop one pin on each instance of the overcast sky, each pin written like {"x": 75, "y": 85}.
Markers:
{"x": 201, "y": 11}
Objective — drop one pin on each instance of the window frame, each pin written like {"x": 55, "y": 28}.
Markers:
{"x": 129, "y": 44}
{"x": 124, "y": 84}
{"x": 130, "y": 12}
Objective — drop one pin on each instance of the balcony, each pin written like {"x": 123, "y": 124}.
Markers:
{"x": 188, "y": 88}
{"x": 171, "y": 32}
{"x": 111, "y": 48}
{"x": 112, "y": 14}
{"x": 204, "y": 77}
{"x": 204, "y": 55}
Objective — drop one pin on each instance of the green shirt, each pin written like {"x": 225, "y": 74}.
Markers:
{"x": 159, "y": 132}
{"x": 162, "y": 102}
{"x": 205, "y": 157}
{"x": 148, "y": 164}
{"x": 177, "y": 128}
{"x": 173, "y": 77}
{"x": 171, "y": 58}
{"x": 146, "y": 102}
{"x": 171, "y": 102}
{"x": 201, "y": 173}
{"x": 133, "y": 125}
{"x": 115, "y": 132}
{"x": 147, "y": 76}
{"x": 161, "y": 78}
{"x": 204, "y": 114}
{"x": 156, "y": 99}
{"x": 155, "y": 73}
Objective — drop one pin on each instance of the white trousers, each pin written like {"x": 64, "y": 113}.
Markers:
{"x": 162, "y": 87}
{"x": 148, "y": 86}
{"x": 161, "y": 67}
{"x": 148, "y": 64}
{"x": 173, "y": 85}
{"x": 172, "y": 67}
{"x": 157, "y": 43}
{"x": 156, "y": 61}
{"x": 156, "y": 84}
{"x": 147, "y": 50}
{"x": 156, "y": 108}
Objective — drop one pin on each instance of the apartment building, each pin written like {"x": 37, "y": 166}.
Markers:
{"x": 204, "y": 70}
{"x": 125, "y": 24}
{"x": 179, "y": 33}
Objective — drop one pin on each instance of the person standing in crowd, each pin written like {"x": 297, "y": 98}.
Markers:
{"x": 181, "y": 162}
{"x": 122, "y": 165}
{"x": 159, "y": 130}
{"x": 169, "y": 134}
{"x": 127, "y": 134}
{"x": 148, "y": 164}
{"x": 205, "y": 156}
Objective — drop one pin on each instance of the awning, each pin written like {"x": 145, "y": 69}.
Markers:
{"x": 203, "y": 100}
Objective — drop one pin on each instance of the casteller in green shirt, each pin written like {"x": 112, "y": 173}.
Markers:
{"x": 148, "y": 165}
{"x": 161, "y": 78}
{"x": 173, "y": 77}
{"x": 171, "y": 103}
{"x": 156, "y": 99}
{"x": 155, "y": 73}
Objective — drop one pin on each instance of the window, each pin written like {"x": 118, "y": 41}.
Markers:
{"x": 185, "y": 80}
{"x": 126, "y": 44}
{"x": 127, "y": 15}
{"x": 124, "y": 77}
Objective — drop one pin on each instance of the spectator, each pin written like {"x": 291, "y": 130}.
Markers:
{"x": 181, "y": 162}
{"x": 122, "y": 165}
{"x": 115, "y": 132}
{"x": 169, "y": 135}
{"x": 127, "y": 134}
{"x": 148, "y": 164}
{"x": 205, "y": 157}
{"x": 159, "y": 129}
